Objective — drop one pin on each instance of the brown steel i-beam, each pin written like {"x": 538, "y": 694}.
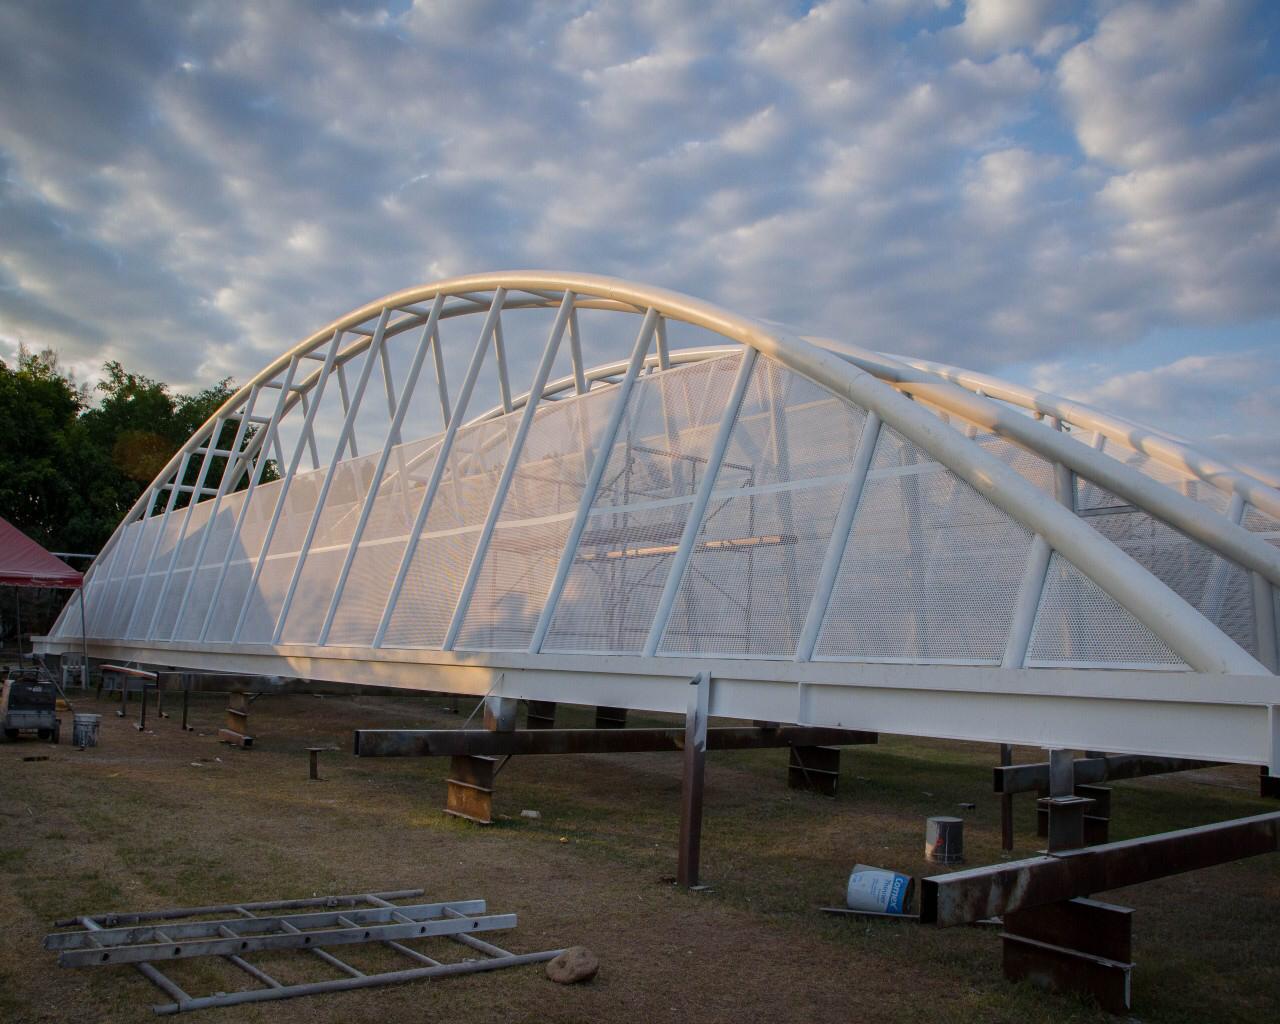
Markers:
{"x": 459, "y": 742}
{"x": 691, "y": 791}
{"x": 978, "y": 893}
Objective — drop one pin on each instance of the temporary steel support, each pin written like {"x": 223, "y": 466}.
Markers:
{"x": 978, "y": 893}
{"x": 509, "y": 469}
{"x": 488, "y": 743}
{"x": 698, "y": 509}
{"x": 442, "y": 460}
{"x": 839, "y": 539}
{"x": 691, "y": 789}
{"x": 347, "y": 433}
{"x": 592, "y": 486}
{"x": 1035, "y": 778}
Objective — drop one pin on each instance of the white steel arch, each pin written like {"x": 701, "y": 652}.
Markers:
{"x": 839, "y": 536}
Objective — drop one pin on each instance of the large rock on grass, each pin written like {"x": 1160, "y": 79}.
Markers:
{"x": 575, "y": 964}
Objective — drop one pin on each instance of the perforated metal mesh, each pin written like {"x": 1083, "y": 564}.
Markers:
{"x": 752, "y": 574}
{"x": 1079, "y": 624}
{"x": 377, "y": 559}
{"x": 1090, "y": 495}
{"x": 1257, "y": 521}
{"x": 534, "y": 522}
{"x": 1216, "y": 587}
{"x": 664, "y": 439}
{"x": 931, "y": 570}
{"x": 788, "y": 429}
{"x": 616, "y": 579}
{"x": 430, "y": 594}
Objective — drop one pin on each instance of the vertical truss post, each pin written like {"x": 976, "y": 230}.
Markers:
{"x": 230, "y": 470}
{"x": 691, "y": 790}
{"x": 575, "y": 354}
{"x": 346, "y": 407}
{"x": 155, "y": 543}
{"x": 437, "y": 356}
{"x": 700, "y": 502}
{"x": 442, "y": 460}
{"x": 500, "y": 355}
{"x": 307, "y": 434}
{"x": 430, "y": 338}
{"x": 605, "y": 448}
{"x": 269, "y": 433}
{"x": 347, "y": 433}
{"x": 664, "y": 352}
{"x": 283, "y": 497}
{"x": 509, "y": 469}
{"x": 210, "y": 446}
{"x": 839, "y": 539}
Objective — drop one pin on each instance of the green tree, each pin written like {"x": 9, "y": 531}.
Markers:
{"x": 39, "y": 405}
{"x": 71, "y": 470}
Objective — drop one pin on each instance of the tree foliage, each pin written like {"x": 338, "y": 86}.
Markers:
{"x": 71, "y": 468}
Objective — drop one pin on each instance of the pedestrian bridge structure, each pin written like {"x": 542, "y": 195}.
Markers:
{"x": 567, "y": 487}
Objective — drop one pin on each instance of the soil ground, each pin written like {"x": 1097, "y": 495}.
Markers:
{"x": 161, "y": 818}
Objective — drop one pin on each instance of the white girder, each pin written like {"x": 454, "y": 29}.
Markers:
{"x": 687, "y": 509}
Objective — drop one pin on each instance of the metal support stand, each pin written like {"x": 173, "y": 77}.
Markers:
{"x": 816, "y": 769}
{"x": 611, "y": 718}
{"x": 1006, "y": 803}
{"x": 313, "y": 768}
{"x": 691, "y": 792}
{"x": 1080, "y": 946}
{"x": 469, "y": 788}
{"x": 236, "y": 731}
{"x": 541, "y": 715}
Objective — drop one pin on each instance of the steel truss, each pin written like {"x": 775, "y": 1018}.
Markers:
{"x": 165, "y": 591}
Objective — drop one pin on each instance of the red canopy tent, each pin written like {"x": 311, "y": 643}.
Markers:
{"x": 24, "y": 563}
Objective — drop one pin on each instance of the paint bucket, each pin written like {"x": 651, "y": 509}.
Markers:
{"x": 944, "y": 840}
{"x": 879, "y": 890}
{"x": 84, "y": 730}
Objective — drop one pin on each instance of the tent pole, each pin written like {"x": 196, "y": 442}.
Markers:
{"x": 84, "y": 644}
{"x": 17, "y": 603}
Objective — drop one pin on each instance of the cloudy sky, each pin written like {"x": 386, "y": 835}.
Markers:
{"x": 1083, "y": 196}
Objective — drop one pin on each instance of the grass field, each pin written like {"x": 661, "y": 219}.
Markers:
{"x": 157, "y": 819}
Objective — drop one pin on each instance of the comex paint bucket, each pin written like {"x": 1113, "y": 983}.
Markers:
{"x": 879, "y": 890}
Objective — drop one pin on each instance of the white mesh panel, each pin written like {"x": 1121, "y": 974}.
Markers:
{"x": 788, "y": 429}
{"x": 534, "y": 522}
{"x": 219, "y": 530}
{"x": 430, "y": 593}
{"x": 512, "y": 586}
{"x": 616, "y": 579}
{"x": 662, "y": 444}
{"x": 1216, "y": 587}
{"x": 931, "y": 570}
{"x": 334, "y": 530}
{"x": 1091, "y": 496}
{"x": 748, "y": 584}
{"x": 377, "y": 559}
{"x": 1078, "y": 623}
{"x": 1257, "y": 521}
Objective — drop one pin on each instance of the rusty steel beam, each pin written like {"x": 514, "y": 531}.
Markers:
{"x": 978, "y": 893}
{"x": 1034, "y": 778}
{"x": 462, "y": 742}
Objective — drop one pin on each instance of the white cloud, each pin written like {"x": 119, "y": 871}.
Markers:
{"x": 191, "y": 188}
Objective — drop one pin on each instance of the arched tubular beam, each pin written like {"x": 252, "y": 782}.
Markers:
{"x": 1183, "y": 629}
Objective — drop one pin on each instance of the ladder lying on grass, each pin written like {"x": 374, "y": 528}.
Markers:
{"x": 145, "y": 939}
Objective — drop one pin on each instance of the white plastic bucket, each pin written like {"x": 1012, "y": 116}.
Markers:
{"x": 84, "y": 730}
{"x": 879, "y": 890}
